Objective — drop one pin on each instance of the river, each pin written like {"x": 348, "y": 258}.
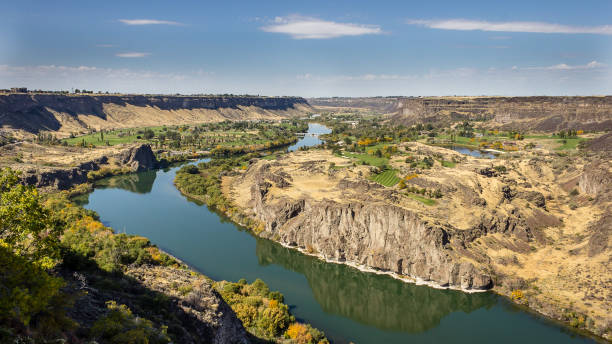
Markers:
{"x": 347, "y": 304}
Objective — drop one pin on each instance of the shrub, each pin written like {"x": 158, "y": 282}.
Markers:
{"x": 500, "y": 168}
{"x": 119, "y": 325}
{"x": 27, "y": 289}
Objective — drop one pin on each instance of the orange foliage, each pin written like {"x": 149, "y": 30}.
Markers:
{"x": 299, "y": 333}
{"x": 411, "y": 176}
{"x": 273, "y": 303}
{"x": 365, "y": 142}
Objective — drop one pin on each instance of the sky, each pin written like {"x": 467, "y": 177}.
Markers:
{"x": 309, "y": 48}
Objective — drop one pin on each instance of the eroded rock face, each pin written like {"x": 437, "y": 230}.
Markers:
{"x": 373, "y": 234}
{"x": 62, "y": 179}
{"x": 595, "y": 179}
{"x": 137, "y": 158}
{"x": 38, "y": 112}
{"x": 140, "y": 158}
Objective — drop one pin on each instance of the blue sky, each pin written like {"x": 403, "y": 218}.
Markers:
{"x": 310, "y": 48}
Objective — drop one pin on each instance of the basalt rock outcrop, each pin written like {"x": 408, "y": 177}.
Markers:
{"x": 372, "y": 234}
{"x": 522, "y": 113}
{"x": 136, "y": 159}
{"x": 63, "y": 114}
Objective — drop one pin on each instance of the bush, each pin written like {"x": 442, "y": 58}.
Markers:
{"x": 119, "y": 325}
{"x": 26, "y": 289}
{"x": 500, "y": 168}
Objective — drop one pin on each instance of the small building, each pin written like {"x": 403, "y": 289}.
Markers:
{"x": 19, "y": 89}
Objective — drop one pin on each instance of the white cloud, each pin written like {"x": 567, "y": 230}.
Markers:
{"x": 516, "y": 26}
{"x": 563, "y": 66}
{"x": 132, "y": 55}
{"x": 54, "y": 77}
{"x": 312, "y": 28}
{"x": 148, "y": 22}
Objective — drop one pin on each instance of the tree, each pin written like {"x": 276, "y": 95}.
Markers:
{"x": 149, "y": 134}
{"x": 29, "y": 244}
{"x": 26, "y": 227}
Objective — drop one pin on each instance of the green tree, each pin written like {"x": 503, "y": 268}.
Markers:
{"x": 148, "y": 134}
{"x": 26, "y": 227}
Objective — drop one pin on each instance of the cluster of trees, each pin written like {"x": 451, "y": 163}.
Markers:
{"x": 264, "y": 314}
{"x": 422, "y": 191}
{"x": 465, "y": 129}
{"x": 46, "y": 138}
{"x": 571, "y": 133}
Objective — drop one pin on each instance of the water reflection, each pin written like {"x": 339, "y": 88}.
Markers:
{"x": 473, "y": 152}
{"x": 141, "y": 183}
{"x": 370, "y": 299}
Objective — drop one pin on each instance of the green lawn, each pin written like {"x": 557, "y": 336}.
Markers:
{"x": 113, "y": 137}
{"x": 447, "y": 163}
{"x": 569, "y": 143}
{"x": 386, "y": 178}
{"x": 367, "y": 158}
{"x": 424, "y": 200}
{"x": 270, "y": 157}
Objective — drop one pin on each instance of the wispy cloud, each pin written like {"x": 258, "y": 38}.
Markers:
{"x": 132, "y": 55}
{"x": 312, "y": 28}
{"x": 515, "y": 26}
{"x": 148, "y": 22}
{"x": 563, "y": 66}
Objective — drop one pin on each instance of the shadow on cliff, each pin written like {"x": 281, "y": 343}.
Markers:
{"x": 31, "y": 112}
{"x": 93, "y": 287}
{"x": 372, "y": 299}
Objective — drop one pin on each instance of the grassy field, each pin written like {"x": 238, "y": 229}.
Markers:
{"x": 386, "y": 178}
{"x": 114, "y": 137}
{"x": 367, "y": 158}
{"x": 270, "y": 157}
{"x": 424, "y": 200}
{"x": 449, "y": 164}
{"x": 569, "y": 143}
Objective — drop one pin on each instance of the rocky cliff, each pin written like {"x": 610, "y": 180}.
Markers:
{"x": 373, "y": 235}
{"x": 359, "y": 223}
{"x": 540, "y": 113}
{"x": 533, "y": 113}
{"x": 74, "y": 113}
{"x": 133, "y": 159}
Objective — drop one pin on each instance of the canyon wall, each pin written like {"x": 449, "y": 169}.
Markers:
{"x": 523, "y": 113}
{"x": 370, "y": 233}
{"x": 63, "y": 114}
{"x": 539, "y": 113}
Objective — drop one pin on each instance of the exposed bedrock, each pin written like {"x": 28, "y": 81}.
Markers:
{"x": 373, "y": 234}
{"x": 35, "y": 112}
{"x": 137, "y": 158}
